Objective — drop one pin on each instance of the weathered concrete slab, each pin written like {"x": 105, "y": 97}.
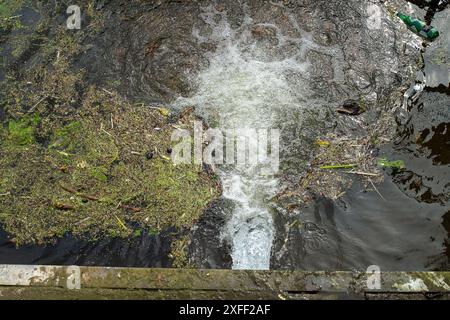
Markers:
{"x": 73, "y": 282}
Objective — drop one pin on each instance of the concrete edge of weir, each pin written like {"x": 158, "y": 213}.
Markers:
{"x": 74, "y": 282}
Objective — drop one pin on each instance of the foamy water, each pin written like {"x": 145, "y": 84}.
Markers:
{"x": 248, "y": 86}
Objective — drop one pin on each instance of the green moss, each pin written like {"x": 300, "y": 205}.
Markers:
{"x": 99, "y": 173}
{"x": 21, "y": 132}
{"x": 8, "y": 7}
{"x": 8, "y": 17}
{"x": 137, "y": 233}
{"x": 64, "y": 138}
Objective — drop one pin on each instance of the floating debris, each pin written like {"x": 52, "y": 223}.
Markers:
{"x": 350, "y": 107}
{"x": 419, "y": 27}
{"x": 120, "y": 223}
{"x": 165, "y": 112}
{"x": 334, "y": 167}
{"x": 323, "y": 143}
{"x": 339, "y": 166}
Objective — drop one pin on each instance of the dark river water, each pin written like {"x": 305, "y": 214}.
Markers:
{"x": 407, "y": 227}
{"x": 403, "y": 226}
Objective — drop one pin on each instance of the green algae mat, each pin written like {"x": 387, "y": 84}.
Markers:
{"x": 77, "y": 157}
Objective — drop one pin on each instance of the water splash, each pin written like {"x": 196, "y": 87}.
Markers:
{"x": 248, "y": 84}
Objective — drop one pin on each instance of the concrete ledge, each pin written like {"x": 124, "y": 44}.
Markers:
{"x": 73, "y": 282}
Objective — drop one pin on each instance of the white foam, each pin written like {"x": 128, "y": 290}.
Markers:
{"x": 247, "y": 86}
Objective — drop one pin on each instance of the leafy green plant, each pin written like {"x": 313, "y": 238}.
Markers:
{"x": 397, "y": 164}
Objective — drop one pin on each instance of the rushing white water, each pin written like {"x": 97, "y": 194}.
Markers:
{"x": 247, "y": 86}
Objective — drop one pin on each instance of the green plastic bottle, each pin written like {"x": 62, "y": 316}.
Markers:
{"x": 419, "y": 27}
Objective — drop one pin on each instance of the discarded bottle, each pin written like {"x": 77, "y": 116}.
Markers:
{"x": 419, "y": 27}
